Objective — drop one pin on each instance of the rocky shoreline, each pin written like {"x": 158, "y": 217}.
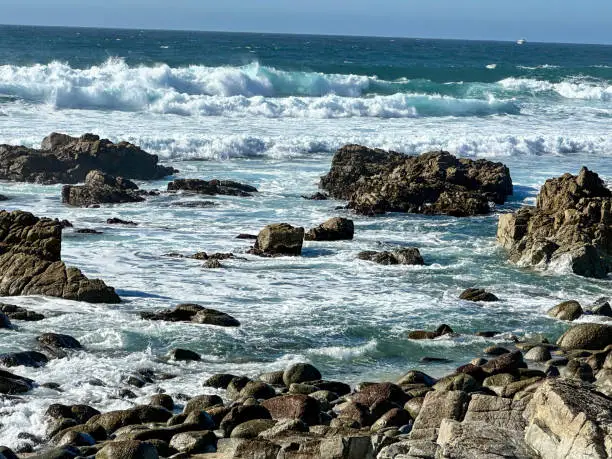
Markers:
{"x": 529, "y": 399}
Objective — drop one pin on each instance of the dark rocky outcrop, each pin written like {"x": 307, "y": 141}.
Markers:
{"x": 318, "y": 196}
{"x": 571, "y": 225}
{"x": 24, "y": 358}
{"x": 279, "y": 239}
{"x": 334, "y": 229}
{"x": 118, "y": 221}
{"x": 405, "y": 256}
{"x": 376, "y": 181}
{"x": 212, "y": 187}
{"x": 65, "y": 159}
{"x": 101, "y": 188}
{"x": 193, "y": 313}
{"x": 30, "y": 262}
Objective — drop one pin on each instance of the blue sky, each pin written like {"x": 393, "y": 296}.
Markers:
{"x": 586, "y": 21}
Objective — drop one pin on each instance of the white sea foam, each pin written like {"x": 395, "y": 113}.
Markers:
{"x": 571, "y": 89}
{"x": 251, "y": 90}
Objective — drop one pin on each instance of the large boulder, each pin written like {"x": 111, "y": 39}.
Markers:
{"x": 279, "y": 239}
{"x": 30, "y": 262}
{"x": 334, "y": 229}
{"x": 376, "y": 181}
{"x": 65, "y": 159}
{"x": 568, "y": 310}
{"x": 569, "y": 419}
{"x": 101, "y": 188}
{"x": 212, "y": 187}
{"x": 570, "y": 227}
{"x": 586, "y": 336}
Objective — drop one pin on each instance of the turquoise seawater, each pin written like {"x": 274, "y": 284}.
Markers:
{"x": 270, "y": 110}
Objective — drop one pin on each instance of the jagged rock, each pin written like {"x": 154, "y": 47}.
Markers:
{"x": 18, "y": 313}
{"x": 101, "y": 188}
{"x": 586, "y": 336}
{"x": 11, "y": 384}
{"x": 212, "y": 187}
{"x": 405, "y": 256}
{"x": 568, "y": 310}
{"x": 30, "y": 262}
{"x": 571, "y": 225}
{"x": 376, "y": 181}
{"x": 477, "y": 294}
{"x": 193, "y": 313}
{"x": 334, "y": 229}
{"x": 569, "y": 419}
{"x": 279, "y": 239}
{"x": 65, "y": 159}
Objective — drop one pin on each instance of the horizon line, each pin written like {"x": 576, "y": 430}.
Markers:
{"x": 154, "y": 29}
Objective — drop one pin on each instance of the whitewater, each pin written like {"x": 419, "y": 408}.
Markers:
{"x": 270, "y": 111}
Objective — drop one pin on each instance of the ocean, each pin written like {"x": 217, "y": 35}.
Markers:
{"x": 270, "y": 110}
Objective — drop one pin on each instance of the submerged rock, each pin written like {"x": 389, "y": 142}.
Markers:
{"x": 193, "y": 313}
{"x": 477, "y": 294}
{"x": 334, "y": 229}
{"x": 318, "y": 196}
{"x": 65, "y": 159}
{"x": 101, "y": 188}
{"x": 279, "y": 239}
{"x": 404, "y": 256}
{"x": 376, "y": 181}
{"x": 30, "y": 262}
{"x": 571, "y": 225}
{"x": 212, "y": 187}
{"x": 118, "y": 221}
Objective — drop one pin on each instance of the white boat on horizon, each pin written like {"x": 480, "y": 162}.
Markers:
{"x": 521, "y": 41}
